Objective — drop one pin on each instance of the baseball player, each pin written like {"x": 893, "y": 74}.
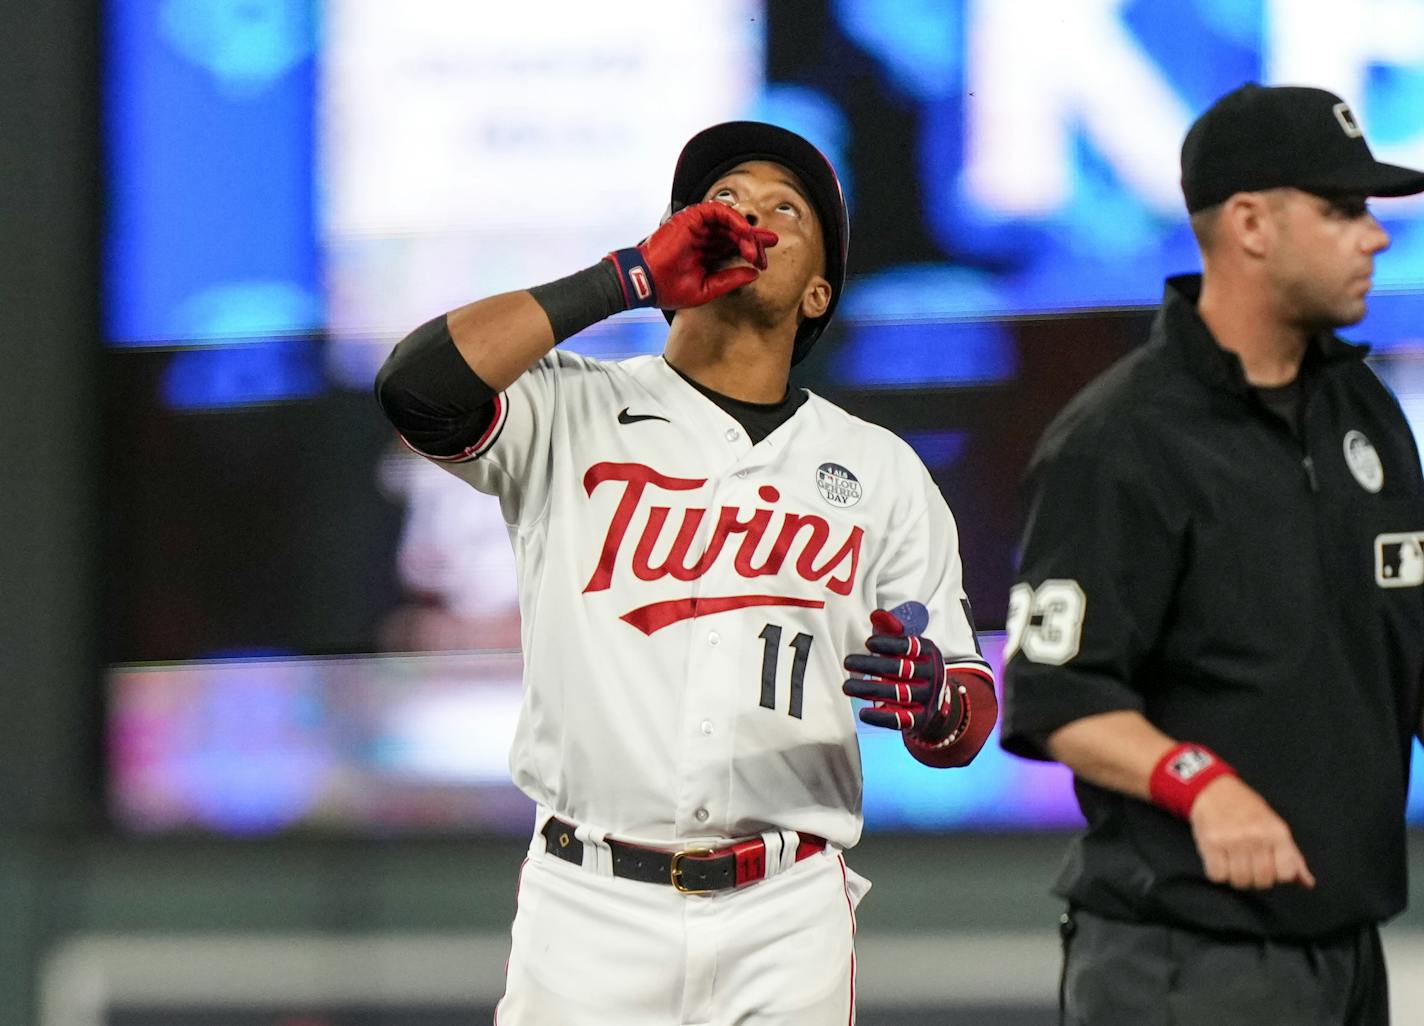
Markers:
{"x": 700, "y": 549}
{"x": 1216, "y": 624}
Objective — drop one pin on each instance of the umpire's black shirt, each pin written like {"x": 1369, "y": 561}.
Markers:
{"x": 1245, "y": 586}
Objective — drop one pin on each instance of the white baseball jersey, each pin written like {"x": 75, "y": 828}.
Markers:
{"x": 687, "y": 598}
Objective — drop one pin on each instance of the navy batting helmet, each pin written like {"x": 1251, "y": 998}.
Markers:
{"x": 714, "y": 151}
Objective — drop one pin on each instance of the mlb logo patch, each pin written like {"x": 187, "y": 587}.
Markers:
{"x": 1399, "y": 560}
{"x": 1187, "y": 765}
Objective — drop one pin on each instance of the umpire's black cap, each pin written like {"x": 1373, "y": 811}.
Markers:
{"x": 714, "y": 151}
{"x": 1269, "y": 137}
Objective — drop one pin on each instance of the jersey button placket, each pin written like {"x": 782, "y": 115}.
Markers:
{"x": 712, "y": 660}
{"x": 709, "y": 758}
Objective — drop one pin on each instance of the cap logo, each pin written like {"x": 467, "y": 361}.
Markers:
{"x": 1363, "y": 461}
{"x": 1346, "y": 117}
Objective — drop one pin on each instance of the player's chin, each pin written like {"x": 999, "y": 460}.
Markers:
{"x": 743, "y": 293}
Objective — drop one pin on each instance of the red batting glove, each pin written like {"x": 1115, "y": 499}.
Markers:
{"x": 683, "y": 262}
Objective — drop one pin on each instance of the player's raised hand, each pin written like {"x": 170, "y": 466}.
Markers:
{"x": 933, "y": 703}
{"x": 686, "y": 261}
{"x": 1241, "y": 839}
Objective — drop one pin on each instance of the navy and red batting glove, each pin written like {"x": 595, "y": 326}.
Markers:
{"x": 944, "y": 710}
{"x": 685, "y": 262}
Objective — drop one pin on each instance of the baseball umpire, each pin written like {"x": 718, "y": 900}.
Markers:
{"x": 1209, "y": 626}
{"x": 700, "y": 548}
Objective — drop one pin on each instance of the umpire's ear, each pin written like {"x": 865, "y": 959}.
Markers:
{"x": 816, "y": 298}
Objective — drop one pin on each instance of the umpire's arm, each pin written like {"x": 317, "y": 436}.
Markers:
{"x": 1101, "y": 555}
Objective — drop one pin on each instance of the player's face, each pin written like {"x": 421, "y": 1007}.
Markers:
{"x": 770, "y": 196}
{"x": 1323, "y": 263}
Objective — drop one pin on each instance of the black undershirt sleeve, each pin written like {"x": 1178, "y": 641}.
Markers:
{"x": 581, "y": 299}
{"x": 427, "y": 390}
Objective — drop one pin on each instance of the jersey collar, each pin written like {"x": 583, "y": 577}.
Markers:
{"x": 1180, "y": 327}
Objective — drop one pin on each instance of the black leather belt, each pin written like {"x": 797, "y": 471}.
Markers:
{"x": 691, "y": 871}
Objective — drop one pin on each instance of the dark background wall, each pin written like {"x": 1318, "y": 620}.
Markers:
{"x": 48, "y": 331}
{"x": 48, "y": 416}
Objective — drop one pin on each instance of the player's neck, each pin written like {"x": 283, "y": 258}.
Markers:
{"x": 1243, "y": 320}
{"x": 742, "y": 364}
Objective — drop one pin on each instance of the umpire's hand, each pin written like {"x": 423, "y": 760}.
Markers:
{"x": 1241, "y": 840}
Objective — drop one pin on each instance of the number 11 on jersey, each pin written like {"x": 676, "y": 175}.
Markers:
{"x": 771, "y": 652}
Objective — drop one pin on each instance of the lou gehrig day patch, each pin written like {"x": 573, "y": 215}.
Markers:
{"x": 1399, "y": 560}
{"x": 1363, "y": 461}
{"x": 838, "y": 485}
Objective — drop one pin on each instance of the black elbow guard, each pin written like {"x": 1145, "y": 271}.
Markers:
{"x": 428, "y": 391}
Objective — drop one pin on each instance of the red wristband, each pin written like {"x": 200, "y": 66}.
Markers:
{"x": 1180, "y": 775}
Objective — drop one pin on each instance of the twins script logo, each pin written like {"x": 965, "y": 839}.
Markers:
{"x": 801, "y": 545}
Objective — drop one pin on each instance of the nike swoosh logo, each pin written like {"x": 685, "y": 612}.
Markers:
{"x": 624, "y": 417}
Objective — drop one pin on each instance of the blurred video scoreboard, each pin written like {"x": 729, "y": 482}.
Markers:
{"x": 309, "y": 629}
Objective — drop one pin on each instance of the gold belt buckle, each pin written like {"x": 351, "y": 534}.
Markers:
{"x": 677, "y": 858}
